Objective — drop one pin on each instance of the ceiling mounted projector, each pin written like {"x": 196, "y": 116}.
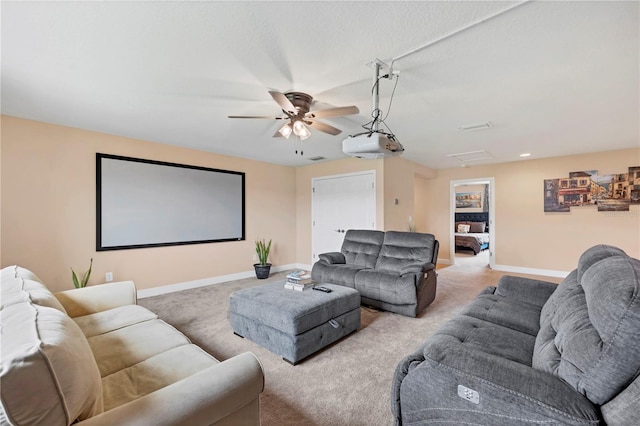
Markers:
{"x": 374, "y": 143}
{"x": 371, "y": 146}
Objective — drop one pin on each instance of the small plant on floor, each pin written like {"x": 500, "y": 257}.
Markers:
{"x": 85, "y": 277}
{"x": 263, "y": 249}
{"x": 263, "y": 267}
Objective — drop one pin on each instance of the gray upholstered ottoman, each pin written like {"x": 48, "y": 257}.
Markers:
{"x": 294, "y": 324}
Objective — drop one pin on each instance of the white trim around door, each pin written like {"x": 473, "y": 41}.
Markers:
{"x": 492, "y": 212}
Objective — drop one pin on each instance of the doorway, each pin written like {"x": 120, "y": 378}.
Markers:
{"x": 340, "y": 203}
{"x": 465, "y": 199}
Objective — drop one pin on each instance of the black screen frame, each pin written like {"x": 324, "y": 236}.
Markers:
{"x": 99, "y": 212}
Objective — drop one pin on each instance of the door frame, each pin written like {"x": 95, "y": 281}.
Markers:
{"x": 371, "y": 172}
{"x": 492, "y": 215}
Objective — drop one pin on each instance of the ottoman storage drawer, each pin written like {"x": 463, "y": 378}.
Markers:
{"x": 294, "y": 324}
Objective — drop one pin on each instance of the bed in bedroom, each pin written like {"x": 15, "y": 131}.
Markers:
{"x": 471, "y": 231}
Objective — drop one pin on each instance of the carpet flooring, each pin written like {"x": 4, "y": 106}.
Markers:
{"x": 347, "y": 383}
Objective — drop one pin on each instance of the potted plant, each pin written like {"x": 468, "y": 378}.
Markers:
{"x": 85, "y": 277}
{"x": 262, "y": 268}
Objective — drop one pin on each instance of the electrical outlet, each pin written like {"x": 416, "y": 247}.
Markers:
{"x": 108, "y": 277}
{"x": 468, "y": 394}
{"x": 255, "y": 257}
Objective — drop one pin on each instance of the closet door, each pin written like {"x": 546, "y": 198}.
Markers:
{"x": 340, "y": 203}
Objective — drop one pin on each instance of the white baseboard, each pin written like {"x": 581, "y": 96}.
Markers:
{"x": 157, "y": 291}
{"x": 171, "y": 288}
{"x": 531, "y": 271}
{"x": 520, "y": 270}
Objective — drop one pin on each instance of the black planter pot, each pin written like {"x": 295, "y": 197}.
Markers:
{"x": 262, "y": 271}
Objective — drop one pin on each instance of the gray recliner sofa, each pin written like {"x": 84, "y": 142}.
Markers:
{"x": 393, "y": 271}
{"x": 530, "y": 352}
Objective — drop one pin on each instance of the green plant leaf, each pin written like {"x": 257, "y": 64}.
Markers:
{"x": 87, "y": 275}
{"x": 74, "y": 278}
{"x": 262, "y": 250}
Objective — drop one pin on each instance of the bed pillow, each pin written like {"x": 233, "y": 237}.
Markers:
{"x": 463, "y": 228}
{"x": 477, "y": 227}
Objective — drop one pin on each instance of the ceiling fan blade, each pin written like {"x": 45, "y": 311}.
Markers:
{"x": 257, "y": 116}
{"x": 333, "y": 112}
{"x": 324, "y": 127}
{"x": 284, "y": 102}
{"x": 277, "y": 134}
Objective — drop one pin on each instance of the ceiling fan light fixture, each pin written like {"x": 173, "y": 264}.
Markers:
{"x": 286, "y": 130}
{"x": 300, "y": 130}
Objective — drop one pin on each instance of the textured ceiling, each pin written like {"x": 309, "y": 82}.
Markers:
{"x": 553, "y": 78}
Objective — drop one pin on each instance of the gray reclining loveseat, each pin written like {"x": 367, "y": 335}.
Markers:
{"x": 393, "y": 271}
{"x": 531, "y": 352}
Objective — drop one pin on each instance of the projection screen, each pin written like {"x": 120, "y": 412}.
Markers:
{"x": 144, "y": 203}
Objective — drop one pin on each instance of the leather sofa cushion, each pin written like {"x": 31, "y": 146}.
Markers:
{"x": 21, "y": 288}
{"x": 15, "y": 271}
{"x": 124, "y": 347}
{"x": 113, "y": 319}
{"x": 152, "y": 374}
{"x": 590, "y": 326}
{"x": 48, "y": 374}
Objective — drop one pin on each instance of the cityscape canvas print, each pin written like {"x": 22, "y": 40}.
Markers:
{"x": 469, "y": 200}
{"x": 611, "y": 192}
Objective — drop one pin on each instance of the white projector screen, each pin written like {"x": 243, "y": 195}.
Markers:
{"x": 144, "y": 203}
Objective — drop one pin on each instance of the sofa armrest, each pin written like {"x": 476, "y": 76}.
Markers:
{"x": 97, "y": 298}
{"x": 417, "y": 268}
{"x": 332, "y": 258}
{"x": 535, "y": 292}
{"x": 506, "y": 388}
{"x": 222, "y": 391}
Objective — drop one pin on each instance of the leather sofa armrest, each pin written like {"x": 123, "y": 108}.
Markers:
{"x": 535, "y": 292}
{"x": 211, "y": 395}
{"x": 97, "y": 298}
{"x": 332, "y": 258}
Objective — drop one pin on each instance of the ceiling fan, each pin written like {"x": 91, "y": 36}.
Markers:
{"x": 296, "y": 107}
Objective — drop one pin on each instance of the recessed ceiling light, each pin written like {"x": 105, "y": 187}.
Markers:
{"x": 525, "y": 154}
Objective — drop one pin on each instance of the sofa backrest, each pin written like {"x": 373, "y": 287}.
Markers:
{"x": 48, "y": 372}
{"x": 20, "y": 284}
{"x": 402, "y": 250}
{"x": 590, "y": 326}
{"x": 361, "y": 247}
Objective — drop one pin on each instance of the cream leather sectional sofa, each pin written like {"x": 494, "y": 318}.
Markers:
{"x": 91, "y": 356}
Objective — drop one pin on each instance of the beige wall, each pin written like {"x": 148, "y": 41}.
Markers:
{"x": 399, "y": 184}
{"x": 421, "y": 202}
{"x": 528, "y": 237}
{"x": 48, "y": 209}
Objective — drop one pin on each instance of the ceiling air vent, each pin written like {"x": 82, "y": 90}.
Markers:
{"x": 465, "y": 157}
{"x": 476, "y": 126}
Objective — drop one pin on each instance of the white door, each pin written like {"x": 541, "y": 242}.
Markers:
{"x": 340, "y": 203}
